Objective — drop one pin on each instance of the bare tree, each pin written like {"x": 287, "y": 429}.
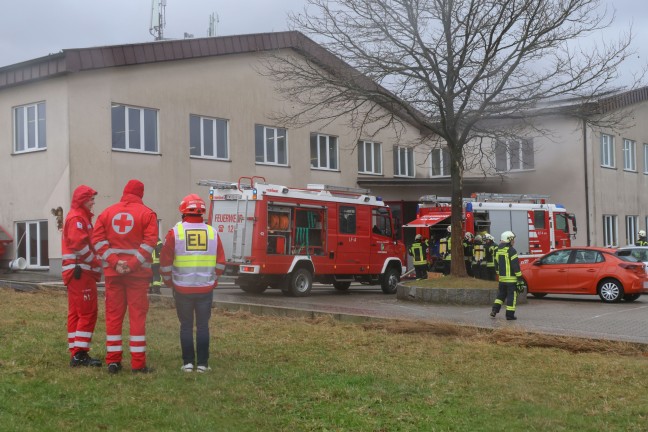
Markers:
{"x": 449, "y": 67}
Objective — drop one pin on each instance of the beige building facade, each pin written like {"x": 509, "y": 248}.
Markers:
{"x": 172, "y": 113}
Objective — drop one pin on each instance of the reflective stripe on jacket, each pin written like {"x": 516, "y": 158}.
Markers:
{"x": 194, "y": 262}
{"x": 507, "y": 263}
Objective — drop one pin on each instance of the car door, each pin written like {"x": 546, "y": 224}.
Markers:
{"x": 584, "y": 271}
{"x": 550, "y": 273}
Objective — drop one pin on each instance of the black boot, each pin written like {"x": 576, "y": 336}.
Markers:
{"x": 510, "y": 315}
{"x": 82, "y": 358}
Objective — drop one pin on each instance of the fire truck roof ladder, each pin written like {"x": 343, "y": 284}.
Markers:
{"x": 217, "y": 184}
{"x": 505, "y": 197}
{"x": 332, "y": 188}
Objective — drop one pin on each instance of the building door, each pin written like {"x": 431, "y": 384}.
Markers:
{"x": 33, "y": 243}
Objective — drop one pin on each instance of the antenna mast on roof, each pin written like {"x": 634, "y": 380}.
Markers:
{"x": 158, "y": 21}
{"x": 213, "y": 24}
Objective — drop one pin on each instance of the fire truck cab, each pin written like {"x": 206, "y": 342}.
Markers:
{"x": 539, "y": 226}
{"x": 286, "y": 238}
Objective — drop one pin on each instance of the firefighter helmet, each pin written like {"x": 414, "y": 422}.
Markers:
{"x": 507, "y": 236}
{"x": 468, "y": 236}
{"x": 489, "y": 237}
{"x": 478, "y": 238}
{"x": 192, "y": 204}
{"x": 449, "y": 228}
{"x": 418, "y": 237}
{"x": 642, "y": 233}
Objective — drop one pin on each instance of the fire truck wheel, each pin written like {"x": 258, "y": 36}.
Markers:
{"x": 389, "y": 280}
{"x": 300, "y": 283}
{"x": 341, "y": 286}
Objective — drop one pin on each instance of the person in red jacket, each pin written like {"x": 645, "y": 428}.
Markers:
{"x": 81, "y": 271}
{"x": 124, "y": 237}
{"x": 192, "y": 258}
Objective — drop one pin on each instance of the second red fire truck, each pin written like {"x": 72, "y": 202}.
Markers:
{"x": 286, "y": 238}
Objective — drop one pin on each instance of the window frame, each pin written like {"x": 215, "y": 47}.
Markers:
{"x": 40, "y": 127}
{"x": 263, "y": 140}
{"x": 406, "y": 153}
{"x": 607, "y": 151}
{"x": 444, "y": 162}
{"x": 376, "y": 157}
{"x": 143, "y": 128}
{"x": 216, "y": 142}
{"x": 629, "y": 155}
{"x": 518, "y": 153}
{"x": 24, "y": 244}
{"x": 632, "y": 227}
{"x": 332, "y": 163}
{"x": 610, "y": 230}
{"x": 645, "y": 158}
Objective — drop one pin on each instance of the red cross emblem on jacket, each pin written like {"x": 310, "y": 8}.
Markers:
{"x": 122, "y": 223}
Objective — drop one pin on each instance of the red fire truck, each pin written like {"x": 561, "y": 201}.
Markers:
{"x": 287, "y": 238}
{"x": 539, "y": 226}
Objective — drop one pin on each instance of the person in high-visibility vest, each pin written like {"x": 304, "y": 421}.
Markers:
{"x": 191, "y": 261}
{"x": 490, "y": 248}
{"x": 510, "y": 276}
{"x": 446, "y": 245}
{"x": 641, "y": 241}
{"x": 156, "y": 279}
{"x": 478, "y": 262}
{"x": 468, "y": 252}
{"x": 418, "y": 251}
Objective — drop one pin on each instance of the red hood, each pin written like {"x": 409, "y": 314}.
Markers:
{"x": 81, "y": 195}
{"x": 134, "y": 187}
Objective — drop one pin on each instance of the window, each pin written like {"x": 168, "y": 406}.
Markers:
{"x": 588, "y": 257}
{"x": 380, "y": 222}
{"x": 440, "y": 162}
{"x": 347, "y": 220}
{"x": 270, "y": 145}
{"x": 607, "y": 151}
{"x": 632, "y": 227}
{"x": 134, "y": 129}
{"x": 403, "y": 161}
{"x": 33, "y": 243}
{"x": 557, "y": 257}
{"x": 610, "y": 230}
{"x": 324, "y": 151}
{"x": 629, "y": 155}
{"x": 514, "y": 155}
{"x": 208, "y": 137}
{"x": 645, "y": 158}
{"x": 539, "y": 219}
{"x": 29, "y": 128}
{"x": 369, "y": 157}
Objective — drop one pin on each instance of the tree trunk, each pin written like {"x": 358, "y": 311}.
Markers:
{"x": 458, "y": 267}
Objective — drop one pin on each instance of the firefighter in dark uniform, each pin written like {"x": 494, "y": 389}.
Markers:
{"x": 468, "y": 252}
{"x": 418, "y": 250}
{"x": 490, "y": 249}
{"x": 445, "y": 249}
{"x": 641, "y": 241}
{"x": 510, "y": 276}
{"x": 156, "y": 279}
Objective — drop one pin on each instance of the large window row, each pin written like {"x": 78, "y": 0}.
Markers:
{"x": 608, "y": 152}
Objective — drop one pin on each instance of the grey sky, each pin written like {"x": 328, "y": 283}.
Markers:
{"x": 35, "y": 28}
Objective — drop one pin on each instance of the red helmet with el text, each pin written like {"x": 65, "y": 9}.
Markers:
{"x": 192, "y": 204}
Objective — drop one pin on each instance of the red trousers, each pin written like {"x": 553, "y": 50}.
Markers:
{"x": 82, "y": 312}
{"x": 126, "y": 292}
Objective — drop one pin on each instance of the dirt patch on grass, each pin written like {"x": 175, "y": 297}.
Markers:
{"x": 513, "y": 337}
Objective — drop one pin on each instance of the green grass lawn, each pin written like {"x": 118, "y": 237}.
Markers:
{"x": 288, "y": 374}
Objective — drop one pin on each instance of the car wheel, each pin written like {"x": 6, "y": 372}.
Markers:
{"x": 341, "y": 286}
{"x": 538, "y": 295}
{"x": 610, "y": 290}
{"x": 631, "y": 297}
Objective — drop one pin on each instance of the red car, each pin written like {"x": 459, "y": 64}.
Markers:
{"x": 586, "y": 270}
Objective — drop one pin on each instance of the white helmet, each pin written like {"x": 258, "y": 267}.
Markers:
{"x": 468, "y": 236}
{"x": 489, "y": 237}
{"x": 478, "y": 238}
{"x": 418, "y": 237}
{"x": 507, "y": 236}
{"x": 449, "y": 228}
{"x": 642, "y": 233}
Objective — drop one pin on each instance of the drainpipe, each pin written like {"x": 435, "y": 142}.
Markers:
{"x": 587, "y": 205}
